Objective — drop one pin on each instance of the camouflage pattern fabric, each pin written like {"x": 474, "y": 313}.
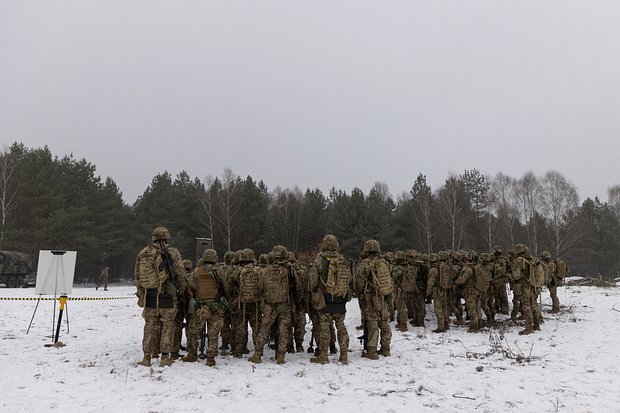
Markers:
{"x": 158, "y": 330}
{"x": 270, "y": 316}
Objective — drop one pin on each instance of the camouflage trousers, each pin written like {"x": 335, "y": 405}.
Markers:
{"x": 500, "y": 296}
{"x": 214, "y": 327}
{"x": 248, "y": 314}
{"x": 158, "y": 330}
{"x": 297, "y": 328}
{"x": 524, "y": 292}
{"x": 418, "y": 306}
{"x": 402, "y": 312}
{"x": 228, "y": 336}
{"x": 454, "y": 301}
{"x": 440, "y": 305}
{"x": 315, "y": 317}
{"x": 178, "y": 328}
{"x": 472, "y": 303}
{"x": 378, "y": 321}
{"x": 516, "y": 300}
{"x": 326, "y": 321}
{"x": 270, "y": 316}
{"x": 487, "y": 304}
{"x": 555, "y": 301}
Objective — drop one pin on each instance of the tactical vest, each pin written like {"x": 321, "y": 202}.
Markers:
{"x": 147, "y": 268}
{"x": 207, "y": 287}
{"x": 248, "y": 284}
{"x": 409, "y": 280}
{"x": 445, "y": 276}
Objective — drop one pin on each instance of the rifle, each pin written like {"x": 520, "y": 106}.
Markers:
{"x": 203, "y": 342}
{"x": 166, "y": 262}
{"x": 364, "y": 337}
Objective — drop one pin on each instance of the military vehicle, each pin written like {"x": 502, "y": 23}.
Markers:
{"x": 17, "y": 269}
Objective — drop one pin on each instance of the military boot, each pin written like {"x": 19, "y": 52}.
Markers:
{"x": 146, "y": 361}
{"x": 190, "y": 358}
{"x": 360, "y": 327}
{"x": 344, "y": 356}
{"x": 211, "y": 361}
{"x": 237, "y": 355}
{"x": 165, "y": 360}
{"x": 280, "y": 358}
{"x": 385, "y": 351}
{"x": 527, "y": 331}
{"x": 321, "y": 358}
{"x": 459, "y": 322}
{"x": 333, "y": 349}
{"x": 175, "y": 355}
{"x": 256, "y": 357}
{"x": 439, "y": 329}
{"x": 299, "y": 348}
{"x": 371, "y": 353}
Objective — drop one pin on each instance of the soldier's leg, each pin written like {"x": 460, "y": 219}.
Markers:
{"x": 471, "y": 302}
{"x": 526, "y": 307}
{"x": 402, "y": 314}
{"x": 214, "y": 327}
{"x": 343, "y": 336}
{"x": 438, "y": 305}
{"x": 536, "y": 314}
{"x": 324, "y": 321}
{"x": 227, "y": 331}
{"x": 254, "y": 318}
{"x": 240, "y": 323}
{"x": 454, "y": 300}
{"x": 178, "y": 333}
{"x": 300, "y": 329}
{"x": 386, "y": 330}
{"x": 502, "y": 295}
{"x": 269, "y": 317}
{"x": 419, "y": 308}
{"x": 284, "y": 321}
{"x": 373, "y": 317}
{"x": 150, "y": 334}
{"x": 166, "y": 316}
{"x": 516, "y": 301}
{"x": 194, "y": 328}
{"x": 555, "y": 301}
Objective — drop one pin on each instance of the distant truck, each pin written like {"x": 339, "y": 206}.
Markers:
{"x": 17, "y": 269}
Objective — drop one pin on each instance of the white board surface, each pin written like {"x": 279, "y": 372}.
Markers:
{"x": 55, "y": 272}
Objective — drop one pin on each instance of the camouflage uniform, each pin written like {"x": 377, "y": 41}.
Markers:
{"x": 500, "y": 269}
{"x": 273, "y": 288}
{"x": 245, "y": 310}
{"x": 182, "y": 315}
{"x": 552, "y": 283}
{"x": 335, "y": 306}
{"x": 487, "y": 297}
{"x": 467, "y": 280}
{"x": 377, "y": 311}
{"x": 455, "y": 260}
{"x": 522, "y": 289}
{"x": 298, "y": 295}
{"x": 398, "y": 270}
{"x": 231, "y": 262}
{"x": 440, "y": 294}
{"x": 418, "y": 265}
{"x": 103, "y": 279}
{"x": 157, "y": 293}
{"x": 206, "y": 282}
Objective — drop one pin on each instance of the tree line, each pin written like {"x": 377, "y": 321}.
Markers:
{"x": 51, "y": 202}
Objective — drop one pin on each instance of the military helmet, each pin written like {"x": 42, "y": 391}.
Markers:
{"x": 292, "y": 257}
{"x": 433, "y": 257}
{"x": 236, "y": 257}
{"x": 263, "y": 259}
{"x": 279, "y": 252}
{"x": 209, "y": 256}
{"x": 520, "y": 249}
{"x": 246, "y": 255}
{"x": 187, "y": 264}
{"x": 228, "y": 256}
{"x": 498, "y": 250}
{"x": 485, "y": 256}
{"x": 442, "y": 256}
{"x": 329, "y": 243}
{"x": 399, "y": 256}
{"x": 372, "y": 245}
{"x": 160, "y": 234}
{"x": 470, "y": 256}
{"x": 389, "y": 256}
{"x": 546, "y": 255}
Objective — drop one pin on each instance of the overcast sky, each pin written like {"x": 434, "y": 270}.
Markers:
{"x": 317, "y": 93}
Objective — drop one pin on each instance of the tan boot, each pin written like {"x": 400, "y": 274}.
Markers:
{"x": 526, "y": 331}
{"x": 190, "y": 358}
{"x": 344, "y": 357}
{"x": 385, "y": 351}
{"x": 256, "y": 358}
{"x": 146, "y": 361}
{"x": 371, "y": 353}
{"x": 210, "y": 361}
{"x": 175, "y": 356}
{"x": 321, "y": 358}
{"x": 280, "y": 359}
{"x": 165, "y": 360}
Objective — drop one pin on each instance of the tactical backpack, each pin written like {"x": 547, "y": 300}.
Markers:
{"x": 520, "y": 269}
{"x": 207, "y": 283}
{"x": 147, "y": 267}
{"x": 382, "y": 282}
{"x": 561, "y": 271}
{"x": 248, "y": 284}
{"x": 445, "y": 276}
{"x": 483, "y": 277}
{"x": 409, "y": 280}
{"x": 338, "y": 276}
{"x": 275, "y": 284}
{"x": 536, "y": 274}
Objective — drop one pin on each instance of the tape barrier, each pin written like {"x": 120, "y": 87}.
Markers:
{"x": 68, "y": 298}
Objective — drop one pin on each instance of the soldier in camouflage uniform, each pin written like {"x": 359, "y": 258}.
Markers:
{"x": 552, "y": 282}
{"x": 207, "y": 284}
{"x": 438, "y": 287}
{"x": 298, "y": 289}
{"x": 467, "y": 280}
{"x": 242, "y": 290}
{"x": 334, "y": 310}
{"x": 274, "y": 290}
{"x": 231, "y": 262}
{"x": 374, "y": 289}
{"x": 159, "y": 276}
{"x": 455, "y": 260}
{"x": 103, "y": 279}
{"x": 179, "y": 319}
{"x": 487, "y": 297}
{"x": 522, "y": 289}
{"x": 500, "y": 278}
{"x": 400, "y": 270}
{"x": 418, "y": 266}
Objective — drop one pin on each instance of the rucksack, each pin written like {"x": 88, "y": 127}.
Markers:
{"x": 482, "y": 275}
{"x": 382, "y": 281}
{"x": 536, "y": 273}
{"x": 275, "y": 284}
{"x": 147, "y": 268}
{"x": 561, "y": 268}
{"x": 207, "y": 282}
{"x": 248, "y": 284}
{"x": 409, "y": 280}
{"x": 338, "y": 276}
{"x": 445, "y": 276}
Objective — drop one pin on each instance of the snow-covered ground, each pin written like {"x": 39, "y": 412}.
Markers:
{"x": 571, "y": 365}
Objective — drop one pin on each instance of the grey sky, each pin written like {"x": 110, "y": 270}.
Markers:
{"x": 317, "y": 94}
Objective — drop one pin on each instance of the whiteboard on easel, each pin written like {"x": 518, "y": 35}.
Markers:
{"x": 55, "y": 272}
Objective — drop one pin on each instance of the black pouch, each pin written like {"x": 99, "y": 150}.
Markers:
{"x": 165, "y": 300}
{"x": 335, "y": 305}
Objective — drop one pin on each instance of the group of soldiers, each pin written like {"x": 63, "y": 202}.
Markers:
{"x": 273, "y": 294}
